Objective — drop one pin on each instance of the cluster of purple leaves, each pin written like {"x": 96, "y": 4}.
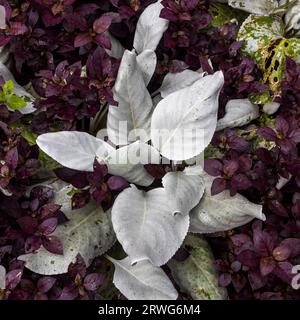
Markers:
{"x": 26, "y": 224}
{"x": 19, "y": 161}
{"x": 255, "y": 261}
{"x": 97, "y": 185}
{"x": 50, "y": 42}
{"x": 78, "y": 283}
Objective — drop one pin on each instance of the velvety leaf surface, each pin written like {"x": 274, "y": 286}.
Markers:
{"x": 134, "y": 109}
{"x": 150, "y": 28}
{"x": 184, "y": 122}
{"x": 196, "y": 275}
{"x": 176, "y": 81}
{"x": 146, "y": 227}
{"x": 239, "y": 112}
{"x": 184, "y": 190}
{"x": 222, "y": 212}
{"x": 142, "y": 281}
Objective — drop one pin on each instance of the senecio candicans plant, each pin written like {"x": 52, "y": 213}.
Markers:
{"x": 177, "y": 125}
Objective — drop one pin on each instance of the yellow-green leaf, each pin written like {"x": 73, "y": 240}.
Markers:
{"x": 14, "y": 102}
{"x": 8, "y": 88}
{"x": 28, "y": 135}
{"x": 264, "y": 42}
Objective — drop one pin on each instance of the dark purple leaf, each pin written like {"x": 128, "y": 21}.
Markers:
{"x": 53, "y": 244}
{"x": 32, "y": 244}
{"x": 213, "y": 167}
{"x": 117, "y": 183}
{"x": 28, "y": 224}
{"x": 102, "y": 24}
{"x": 256, "y": 280}
{"x": 69, "y": 293}
{"x": 11, "y": 158}
{"x": 48, "y": 226}
{"x": 49, "y": 210}
{"x": 248, "y": 258}
{"x": 263, "y": 242}
{"x": 79, "y": 267}
{"x": 44, "y": 284}
{"x": 267, "y": 134}
{"x": 93, "y": 281}
{"x": 266, "y": 265}
{"x": 82, "y": 39}
{"x": 218, "y": 186}
{"x": 13, "y": 278}
{"x": 283, "y": 270}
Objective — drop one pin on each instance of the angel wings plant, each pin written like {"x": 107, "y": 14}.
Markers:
{"x": 151, "y": 223}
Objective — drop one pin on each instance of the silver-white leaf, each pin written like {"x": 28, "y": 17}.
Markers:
{"x": 142, "y": 281}
{"x": 2, "y": 277}
{"x": 147, "y": 61}
{"x": 258, "y": 7}
{"x": 184, "y": 190}
{"x": 130, "y": 120}
{"x": 176, "y": 81}
{"x": 184, "y": 122}
{"x": 19, "y": 91}
{"x": 222, "y": 212}
{"x": 271, "y": 108}
{"x": 146, "y": 227}
{"x": 78, "y": 151}
{"x": 128, "y": 162}
{"x": 150, "y": 28}
{"x": 88, "y": 232}
{"x": 72, "y": 149}
{"x": 239, "y": 112}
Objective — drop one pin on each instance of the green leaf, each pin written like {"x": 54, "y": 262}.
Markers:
{"x": 28, "y": 135}
{"x": 8, "y": 88}
{"x": 2, "y": 96}
{"x": 197, "y": 275}
{"x": 264, "y": 42}
{"x": 212, "y": 152}
{"x": 73, "y": 191}
{"x": 261, "y": 98}
{"x": 14, "y": 102}
{"x": 47, "y": 162}
{"x": 223, "y": 14}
